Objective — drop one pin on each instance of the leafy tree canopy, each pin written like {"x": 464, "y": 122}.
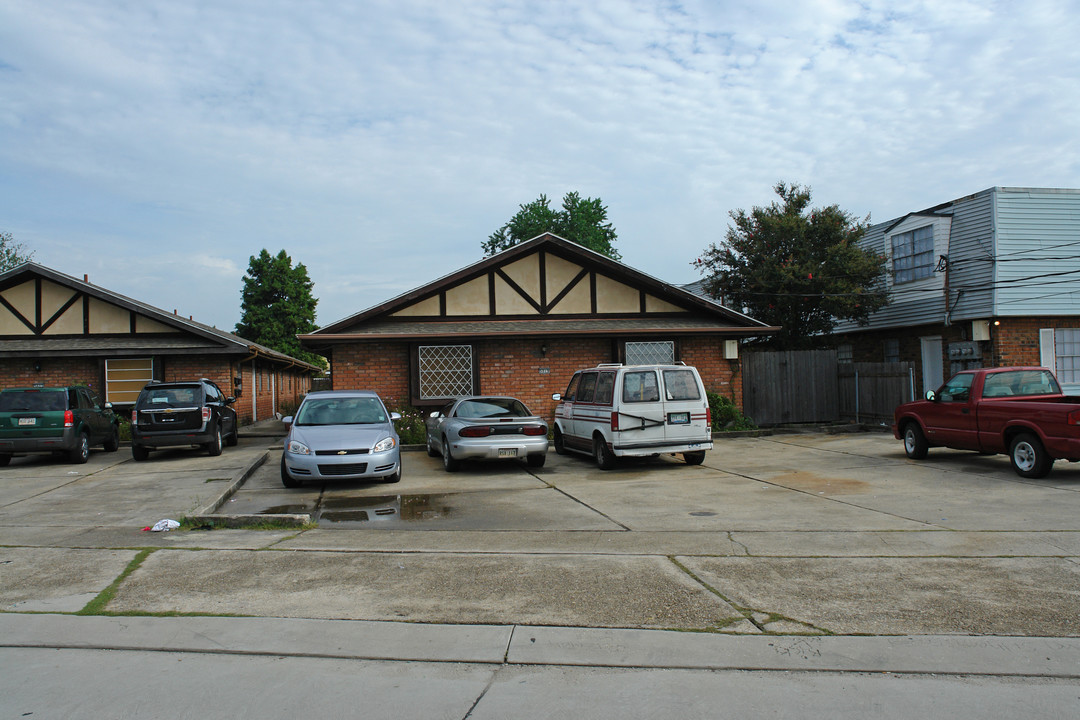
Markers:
{"x": 797, "y": 268}
{"x": 12, "y": 253}
{"x": 581, "y": 220}
{"x": 277, "y": 304}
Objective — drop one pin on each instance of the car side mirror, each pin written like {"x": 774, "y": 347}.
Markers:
{"x": 108, "y": 406}
{"x": 557, "y": 396}
{"x": 434, "y": 414}
{"x": 230, "y": 400}
{"x": 288, "y": 419}
{"x": 395, "y": 416}
{"x": 931, "y": 396}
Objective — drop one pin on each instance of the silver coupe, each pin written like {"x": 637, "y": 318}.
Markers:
{"x": 486, "y": 428}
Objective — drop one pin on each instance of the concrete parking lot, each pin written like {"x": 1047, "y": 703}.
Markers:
{"x": 824, "y": 552}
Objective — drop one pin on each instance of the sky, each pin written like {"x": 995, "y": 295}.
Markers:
{"x": 155, "y": 146}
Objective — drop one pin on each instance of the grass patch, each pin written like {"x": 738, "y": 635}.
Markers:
{"x": 243, "y": 523}
{"x": 97, "y": 605}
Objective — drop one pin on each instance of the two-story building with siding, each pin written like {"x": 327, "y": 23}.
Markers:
{"x": 986, "y": 280}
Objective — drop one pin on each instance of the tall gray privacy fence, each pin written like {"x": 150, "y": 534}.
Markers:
{"x": 810, "y": 386}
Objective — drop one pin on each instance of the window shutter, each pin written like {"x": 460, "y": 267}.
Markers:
{"x": 1047, "y": 357}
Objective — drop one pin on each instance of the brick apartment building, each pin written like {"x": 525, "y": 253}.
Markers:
{"x": 58, "y": 330}
{"x": 522, "y": 321}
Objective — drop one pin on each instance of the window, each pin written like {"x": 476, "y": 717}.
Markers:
{"x": 605, "y": 387}
{"x": 650, "y": 353}
{"x": 1067, "y": 352}
{"x": 892, "y": 350}
{"x": 572, "y": 387}
{"x": 681, "y": 385}
{"x": 125, "y": 378}
{"x": 913, "y": 255}
{"x": 844, "y": 354}
{"x": 640, "y": 387}
{"x": 958, "y": 389}
{"x": 587, "y": 387}
{"x": 445, "y": 371}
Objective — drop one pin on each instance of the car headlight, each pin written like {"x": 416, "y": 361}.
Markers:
{"x": 384, "y": 445}
{"x": 298, "y": 448}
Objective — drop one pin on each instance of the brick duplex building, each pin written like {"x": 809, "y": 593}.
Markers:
{"x": 522, "y": 321}
{"x": 58, "y": 330}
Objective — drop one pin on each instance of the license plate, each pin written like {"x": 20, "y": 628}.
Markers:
{"x": 28, "y": 421}
{"x": 507, "y": 452}
{"x": 682, "y": 418}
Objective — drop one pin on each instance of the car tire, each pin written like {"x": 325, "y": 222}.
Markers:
{"x": 605, "y": 459}
{"x": 558, "y": 442}
{"x": 536, "y": 460}
{"x": 112, "y": 443}
{"x": 286, "y": 479}
{"x": 449, "y": 462}
{"x": 139, "y": 452}
{"x": 915, "y": 444}
{"x": 1028, "y": 457}
{"x": 396, "y": 477}
{"x": 214, "y": 446}
{"x": 431, "y": 448}
{"x": 694, "y": 458}
{"x": 233, "y": 438}
{"x": 4, "y": 460}
{"x": 81, "y": 452}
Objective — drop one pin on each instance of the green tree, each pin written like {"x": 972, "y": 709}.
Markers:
{"x": 581, "y": 220}
{"x": 12, "y": 253}
{"x": 277, "y": 304}
{"x": 797, "y": 268}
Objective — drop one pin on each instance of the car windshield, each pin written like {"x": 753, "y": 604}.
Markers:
{"x": 32, "y": 400}
{"x": 169, "y": 397}
{"x": 492, "y": 407}
{"x": 341, "y": 411}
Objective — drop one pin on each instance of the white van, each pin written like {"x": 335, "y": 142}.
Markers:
{"x": 615, "y": 410}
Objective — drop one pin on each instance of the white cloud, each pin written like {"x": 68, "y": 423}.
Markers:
{"x": 380, "y": 142}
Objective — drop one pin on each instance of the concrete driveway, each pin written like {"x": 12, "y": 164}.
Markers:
{"x": 799, "y": 533}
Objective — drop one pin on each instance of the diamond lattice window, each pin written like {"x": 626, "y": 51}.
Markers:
{"x": 445, "y": 371}
{"x": 650, "y": 353}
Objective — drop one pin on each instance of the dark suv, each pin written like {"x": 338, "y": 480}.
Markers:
{"x": 172, "y": 414}
{"x": 62, "y": 420}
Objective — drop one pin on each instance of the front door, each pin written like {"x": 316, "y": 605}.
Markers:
{"x": 933, "y": 364}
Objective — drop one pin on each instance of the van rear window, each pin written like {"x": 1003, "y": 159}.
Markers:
{"x": 681, "y": 385}
{"x": 640, "y": 387}
{"x": 33, "y": 401}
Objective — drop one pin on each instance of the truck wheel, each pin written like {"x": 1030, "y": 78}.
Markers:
{"x": 448, "y": 460}
{"x": 81, "y": 452}
{"x": 558, "y": 442}
{"x": 914, "y": 441}
{"x": 112, "y": 443}
{"x": 1028, "y": 456}
{"x": 605, "y": 459}
{"x": 4, "y": 460}
{"x": 286, "y": 479}
{"x": 694, "y": 458}
{"x": 139, "y": 452}
{"x": 214, "y": 446}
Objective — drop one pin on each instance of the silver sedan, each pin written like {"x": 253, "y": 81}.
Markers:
{"x": 486, "y": 428}
{"x": 344, "y": 435}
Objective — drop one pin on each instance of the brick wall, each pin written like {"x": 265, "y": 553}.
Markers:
{"x": 20, "y": 372}
{"x": 1016, "y": 340}
{"x": 528, "y": 369}
{"x": 267, "y": 389}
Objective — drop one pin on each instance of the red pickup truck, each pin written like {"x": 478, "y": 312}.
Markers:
{"x": 1016, "y": 410}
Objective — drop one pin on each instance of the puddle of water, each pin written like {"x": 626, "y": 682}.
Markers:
{"x": 408, "y": 508}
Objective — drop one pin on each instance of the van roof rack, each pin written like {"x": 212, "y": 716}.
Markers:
{"x": 600, "y": 365}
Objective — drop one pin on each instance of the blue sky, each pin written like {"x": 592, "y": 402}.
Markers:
{"x": 156, "y": 146}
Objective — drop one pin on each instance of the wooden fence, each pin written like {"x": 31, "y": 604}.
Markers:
{"x": 810, "y": 386}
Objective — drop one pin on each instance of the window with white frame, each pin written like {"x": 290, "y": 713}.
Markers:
{"x": 445, "y": 371}
{"x": 650, "y": 353}
{"x": 1067, "y": 355}
{"x": 845, "y": 354}
{"x": 892, "y": 350}
{"x": 913, "y": 255}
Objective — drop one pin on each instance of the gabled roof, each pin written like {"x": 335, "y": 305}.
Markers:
{"x": 543, "y": 286}
{"x": 174, "y": 333}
